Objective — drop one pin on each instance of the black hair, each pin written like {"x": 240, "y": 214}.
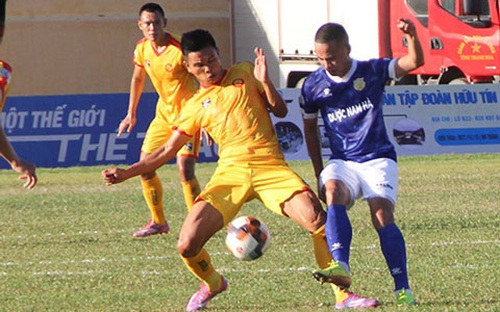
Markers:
{"x": 197, "y": 40}
{"x": 152, "y": 8}
{"x": 331, "y": 32}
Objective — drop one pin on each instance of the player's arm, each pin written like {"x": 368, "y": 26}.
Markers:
{"x": 24, "y": 168}
{"x": 136, "y": 88}
{"x": 313, "y": 143}
{"x": 274, "y": 100}
{"x": 415, "y": 56}
{"x": 149, "y": 164}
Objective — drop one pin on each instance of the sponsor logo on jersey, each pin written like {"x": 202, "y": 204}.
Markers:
{"x": 206, "y": 103}
{"x": 359, "y": 84}
{"x": 340, "y": 114}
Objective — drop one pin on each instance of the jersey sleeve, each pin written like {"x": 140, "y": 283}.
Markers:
{"x": 189, "y": 121}
{"x": 138, "y": 57}
{"x": 308, "y": 107}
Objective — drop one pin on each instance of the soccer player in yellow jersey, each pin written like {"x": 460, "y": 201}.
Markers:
{"x": 159, "y": 56}
{"x": 24, "y": 168}
{"x": 233, "y": 107}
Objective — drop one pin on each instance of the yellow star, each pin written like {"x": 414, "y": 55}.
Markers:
{"x": 475, "y": 48}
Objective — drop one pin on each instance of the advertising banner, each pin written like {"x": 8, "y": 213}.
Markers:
{"x": 420, "y": 120}
{"x": 78, "y": 130}
{"x": 81, "y": 130}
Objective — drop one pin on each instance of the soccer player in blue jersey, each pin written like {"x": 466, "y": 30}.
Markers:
{"x": 363, "y": 162}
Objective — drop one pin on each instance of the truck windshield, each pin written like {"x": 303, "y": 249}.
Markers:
{"x": 475, "y": 13}
{"x": 421, "y": 10}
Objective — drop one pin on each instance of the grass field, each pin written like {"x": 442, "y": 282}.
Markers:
{"x": 67, "y": 245}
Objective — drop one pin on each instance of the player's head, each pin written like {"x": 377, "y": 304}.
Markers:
{"x": 201, "y": 56}
{"x": 332, "y": 48}
{"x": 152, "y": 21}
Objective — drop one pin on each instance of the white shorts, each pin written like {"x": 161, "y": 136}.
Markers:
{"x": 374, "y": 178}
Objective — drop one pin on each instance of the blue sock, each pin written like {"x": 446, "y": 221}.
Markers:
{"x": 394, "y": 250}
{"x": 338, "y": 232}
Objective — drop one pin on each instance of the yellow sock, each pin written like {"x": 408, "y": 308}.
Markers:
{"x": 201, "y": 266}
{"x": 153, "y": 194}
{"x": 191, "y": 189}
{"x": 321, "y": 252}
{"x": 340, "y": 293}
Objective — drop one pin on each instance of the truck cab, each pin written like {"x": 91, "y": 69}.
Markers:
{"x": 460, "y": 39}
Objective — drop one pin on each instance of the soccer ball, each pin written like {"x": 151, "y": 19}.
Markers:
{"x": 247, "y": 238}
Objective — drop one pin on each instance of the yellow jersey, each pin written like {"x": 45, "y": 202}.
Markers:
{"x": 167, "y": 72}
{"x": 236, "y": 116}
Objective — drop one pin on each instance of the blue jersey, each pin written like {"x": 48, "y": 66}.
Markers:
{"x": 351, "y": 110}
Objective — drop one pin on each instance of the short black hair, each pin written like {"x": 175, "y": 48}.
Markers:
{"x": 196, "y": 40}
{"x": 331, "y": 32}
{"x": 152, "y": 8}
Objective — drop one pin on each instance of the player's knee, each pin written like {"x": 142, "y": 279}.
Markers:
{"x": 187, "y": 248}
{"x": 337, "y": 193}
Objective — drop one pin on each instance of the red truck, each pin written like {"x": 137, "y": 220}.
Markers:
{"x": 460, "y": 38}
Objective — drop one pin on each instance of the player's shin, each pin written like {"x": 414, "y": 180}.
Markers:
{"x": 201, "y": 267}
{"x": 153, "y": 194}
{"x": 338, "y": 231}
{"x": 393, "y": 247}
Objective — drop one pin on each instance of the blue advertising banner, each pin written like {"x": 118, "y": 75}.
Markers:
{"x": 78, "y": 130}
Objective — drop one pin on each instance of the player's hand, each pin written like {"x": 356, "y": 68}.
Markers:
{"x": 27, "y": 171}
{"x": 406, "y": 26}
{"x": 127, "y": 124}
{"x": 113, "y": 176}
{"x": 260, "y": 69}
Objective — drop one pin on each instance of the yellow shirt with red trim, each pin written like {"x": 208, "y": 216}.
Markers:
{"x": 167, "y": 72}
{"x": 236, "y": 116}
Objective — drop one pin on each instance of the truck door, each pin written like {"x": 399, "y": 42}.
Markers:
{"x": 418, "y": 12}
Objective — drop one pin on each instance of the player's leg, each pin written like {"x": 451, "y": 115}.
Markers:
{"x": 340, "y": 186}
{"x": 393, "y": 247}
{"x": 299, "y": 208}
{"x": 284, "y": 192}
{"x": 152, "y": 190}
{"x": 186, "y": 161}
{"x": 202, "y": 222}
{"x": 380, "y": 190}
{"x": 217, "y": 205}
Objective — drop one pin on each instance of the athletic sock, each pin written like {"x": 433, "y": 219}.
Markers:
{"x": 340, "y": 293}
{"x": 338, "y": 231}
{"x": 191, "y": 190}
{"x": 153, "y": 194}
{"x": 321, "y": 252}
{"x": 393, "y": 247}
{"x": 201, "y": 266}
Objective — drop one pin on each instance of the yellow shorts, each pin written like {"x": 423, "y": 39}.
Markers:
{"x": 232, "y": 185}
{"x": 160, "y": 129}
